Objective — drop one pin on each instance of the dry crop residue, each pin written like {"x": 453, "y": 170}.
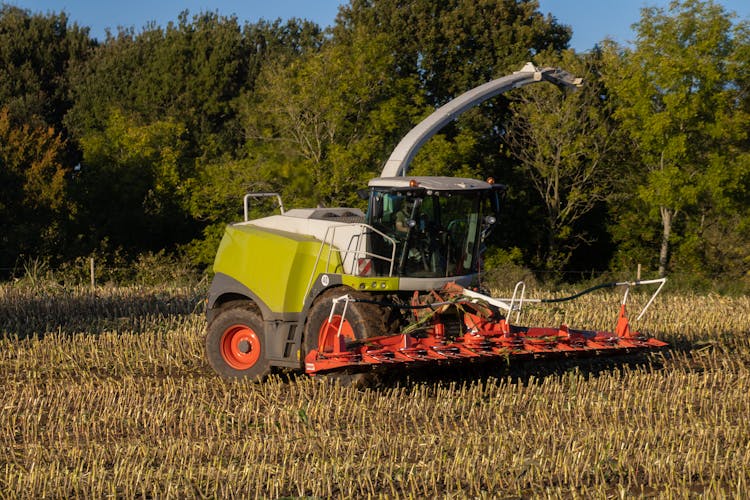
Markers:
{"x": 110, "y": 395}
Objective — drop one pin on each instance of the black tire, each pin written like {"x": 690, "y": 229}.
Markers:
{"x": 235, "y": 342}
{"x": 366, "y": 320}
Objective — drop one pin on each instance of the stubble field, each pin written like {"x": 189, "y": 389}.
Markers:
{"x": 108, "y": 394}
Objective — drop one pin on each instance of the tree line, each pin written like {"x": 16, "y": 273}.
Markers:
{"x": 146, "y": 141}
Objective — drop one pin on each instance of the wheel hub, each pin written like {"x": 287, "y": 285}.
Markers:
{"x": 243, "y": 346}
{"x": 240, "y": 347}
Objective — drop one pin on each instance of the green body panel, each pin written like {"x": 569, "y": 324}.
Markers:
{"x": 275, "y": 265}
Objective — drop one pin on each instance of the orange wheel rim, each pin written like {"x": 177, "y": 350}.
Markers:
{"x": 329, "y": 329}
{"x": 240, "y": 347}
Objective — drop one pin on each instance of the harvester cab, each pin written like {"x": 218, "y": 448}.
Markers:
{"x": 437, "y": 224}
{"x": 331, "y": 289}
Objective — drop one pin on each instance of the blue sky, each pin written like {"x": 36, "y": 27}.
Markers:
{"x": 592, "y": 20}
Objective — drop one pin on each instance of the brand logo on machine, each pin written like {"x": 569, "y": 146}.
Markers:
{"x": 325, "y": 280}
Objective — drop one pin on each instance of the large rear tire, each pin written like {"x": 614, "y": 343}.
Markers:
{"x": 235, "y": 342}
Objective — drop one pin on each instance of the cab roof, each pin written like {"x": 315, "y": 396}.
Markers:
{"x": 430, "y": 183}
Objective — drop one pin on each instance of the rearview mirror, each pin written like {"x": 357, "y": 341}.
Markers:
{"x": 376, "y": 207}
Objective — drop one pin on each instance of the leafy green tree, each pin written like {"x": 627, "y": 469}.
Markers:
{"x": 132, "y": 184}
{"x": 189, "y": 72}
{"x": 455, "y": 45}
{"x": 182, "y": 84}
{"x": 192, "y": 72}
{"x": 35, "y": 52}
{"x": 330, "y": 114}
{"x": 681, "y": 100}
{"x": 450, "y": 47}
{"x": 562, "y": 141}
{"x": 33, "y": 190}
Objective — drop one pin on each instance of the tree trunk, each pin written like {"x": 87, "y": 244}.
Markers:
{"x": 667, "y": 216}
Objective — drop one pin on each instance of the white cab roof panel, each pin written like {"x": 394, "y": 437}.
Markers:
{"x": 430, "y": 183}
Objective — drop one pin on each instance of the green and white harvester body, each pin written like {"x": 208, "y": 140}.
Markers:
{"x": 331, "y": 289}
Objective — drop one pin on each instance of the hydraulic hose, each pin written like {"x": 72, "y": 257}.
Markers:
{"x": 584, "y": 292}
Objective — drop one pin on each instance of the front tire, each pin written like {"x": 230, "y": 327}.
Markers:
{"x": 235, "y": 342}
{"x": 363, "y": 320}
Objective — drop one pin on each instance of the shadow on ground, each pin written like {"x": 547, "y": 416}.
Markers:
{"x": 26, "y": 315}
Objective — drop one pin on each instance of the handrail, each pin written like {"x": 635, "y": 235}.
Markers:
{"x": 247, "y": 197}
{"x": 661, "y": 281}
{"x": 346, "y": 299}
{"x": 365, "y": 253}
{"x": 508, "y": 304}
{"x": 329, "y": 238}
{"x": 522, "y": 286}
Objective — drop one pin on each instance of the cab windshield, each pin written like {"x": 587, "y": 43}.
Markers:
{"x": 436, "y": 234}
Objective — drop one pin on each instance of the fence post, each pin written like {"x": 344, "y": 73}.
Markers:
{"x": 638, "y": 273}
{"x": 91, "y": 268}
